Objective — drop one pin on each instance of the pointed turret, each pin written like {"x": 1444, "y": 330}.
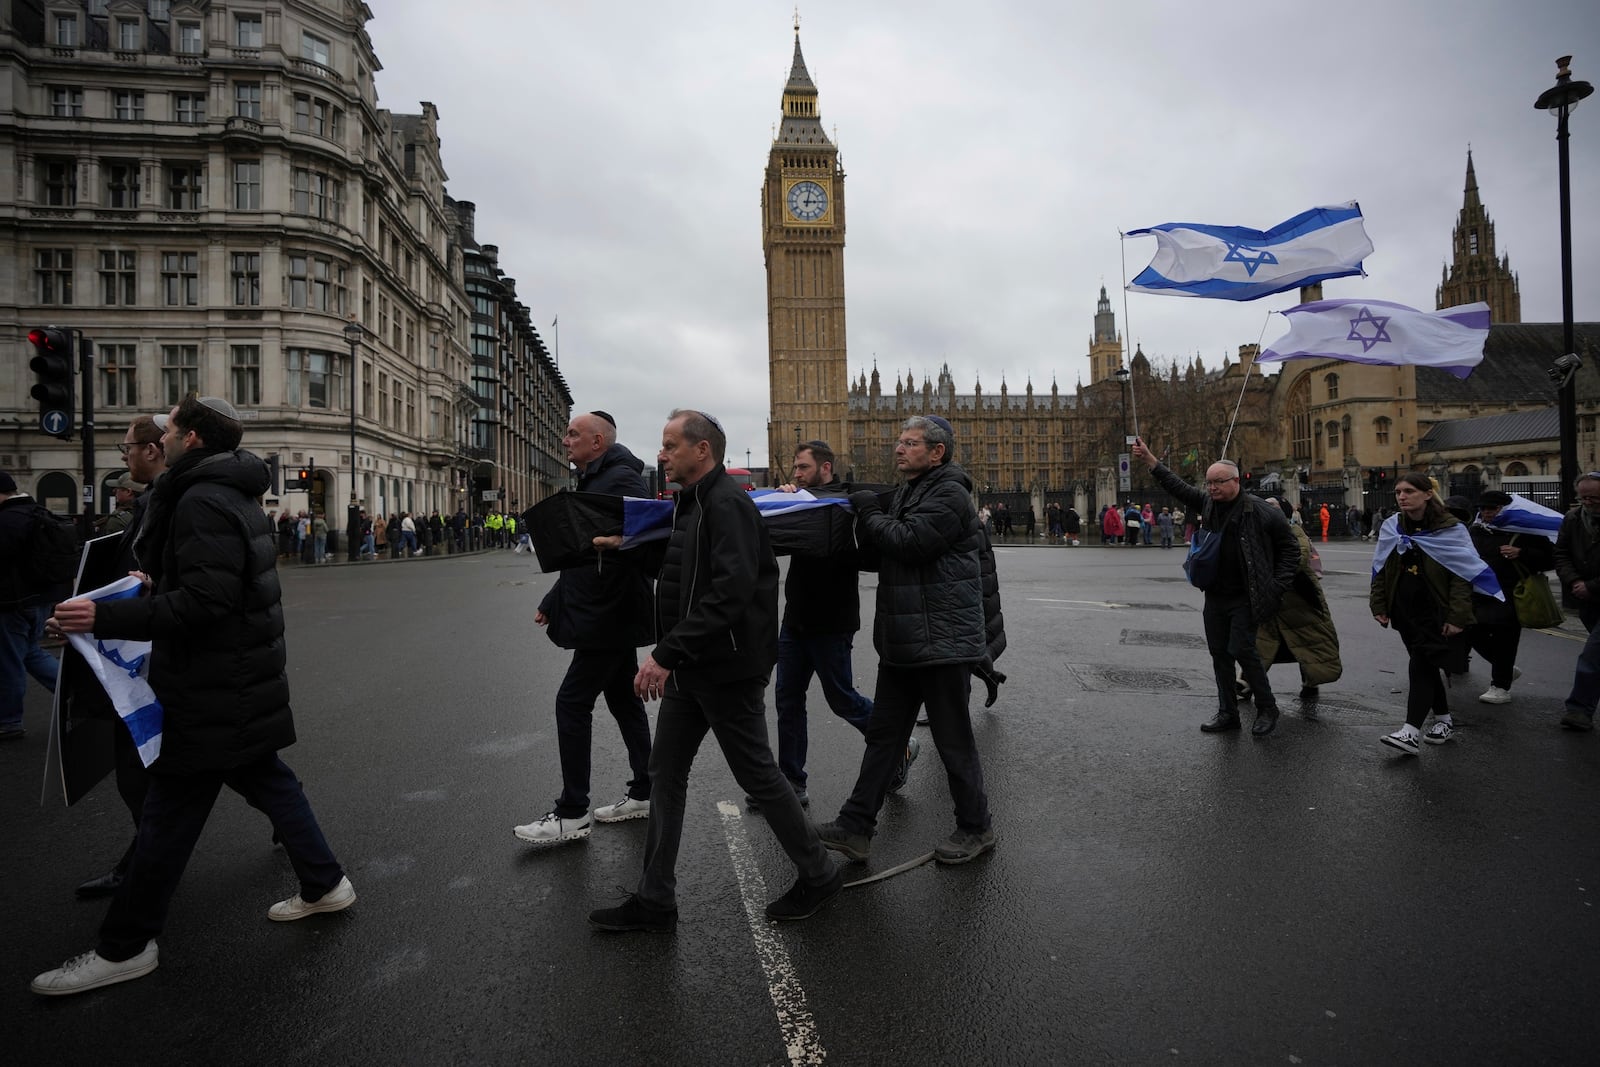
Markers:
{"x": 801, "y": 122}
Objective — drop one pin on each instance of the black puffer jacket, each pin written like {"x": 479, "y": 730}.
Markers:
{"x": 604, "y": 604}
{"x": 822, "y": 594}
{"x": 1266, "y": 546}
{"x": 717, "y": 595}
{"x": 215, "y": 617}
{"x": 930, "y": 585}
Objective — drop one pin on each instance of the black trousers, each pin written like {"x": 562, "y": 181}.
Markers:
{"x": 175, "y": 811}
{"x": 1231, "y": 637}
{"x": 594, "y": 671}
{"x": 945, "y": 689}
{"x": 133, "y": 782}
{"x": 1498, "y": 645}
{"x": 736, "y": 714}
{"x": 1427, "y": 692}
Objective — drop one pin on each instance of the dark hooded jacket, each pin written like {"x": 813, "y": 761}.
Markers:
{"x": 215, "y": 616}
{"x": 822, "y": 594}
{"x": 928, "y": 544}
{"x": 605, "y": 604}
{"x": 716, "y": 607}
{"x": 1267, "y": 549}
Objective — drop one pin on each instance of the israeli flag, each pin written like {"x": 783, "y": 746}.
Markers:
{"x": 1525, "y": 516}
{"x": 1384, "y": 333}
{"x": 1450, "y": 547}
{"x": 123, "y": 668}
{"x": 650, "y": 520}
{"x": 1238, "y": 263}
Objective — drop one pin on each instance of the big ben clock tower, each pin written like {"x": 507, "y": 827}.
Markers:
{"x": 802, "y": 224}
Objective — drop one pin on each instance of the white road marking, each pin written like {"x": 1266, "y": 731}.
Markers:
{"x": 1085, "y": 603}
{"x": 788, "y": 998}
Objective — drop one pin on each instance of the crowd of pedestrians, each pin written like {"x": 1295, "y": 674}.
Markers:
{"x": 704, "y": 600}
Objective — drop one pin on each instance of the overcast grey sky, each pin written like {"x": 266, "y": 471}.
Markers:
{"x": 615, "y": 151}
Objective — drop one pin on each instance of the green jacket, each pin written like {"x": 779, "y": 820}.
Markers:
{"x": 1302, "y": 632}
{"x": 1448, "y": 588}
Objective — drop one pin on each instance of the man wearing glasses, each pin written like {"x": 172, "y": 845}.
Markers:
{"x": 1256, "y": 563}
{"x": 141, "y": 451}
{"x": 1578, "y": 567}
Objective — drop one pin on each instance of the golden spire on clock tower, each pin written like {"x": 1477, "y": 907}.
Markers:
{"x": 802, "y": 214}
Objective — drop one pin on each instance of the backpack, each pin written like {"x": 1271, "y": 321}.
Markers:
{"x": 54, "y": 551}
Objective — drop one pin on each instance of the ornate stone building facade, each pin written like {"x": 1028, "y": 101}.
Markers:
{"x": 1473, "y": 272}
{"x": 211, "y": 193}
{"x": 803, "y": 228}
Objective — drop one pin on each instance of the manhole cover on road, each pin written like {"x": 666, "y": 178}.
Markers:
{"x": 1162, "y": 640}
{"x": 1104, "y": 678}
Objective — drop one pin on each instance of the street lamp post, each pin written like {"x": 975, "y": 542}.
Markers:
{"x": 352, "y": 334}
{"x": 1560, "y": 100}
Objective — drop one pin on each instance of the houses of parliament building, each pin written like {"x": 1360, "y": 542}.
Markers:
{"x": 1319, "y": 428}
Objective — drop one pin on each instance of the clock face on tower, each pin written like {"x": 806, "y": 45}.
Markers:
{"x": 807, "y": 201}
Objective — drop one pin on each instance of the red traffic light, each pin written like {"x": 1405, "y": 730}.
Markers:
{"x": 52, "y": 365}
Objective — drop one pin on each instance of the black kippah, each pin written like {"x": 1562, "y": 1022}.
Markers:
{"x": 607, "y": 416}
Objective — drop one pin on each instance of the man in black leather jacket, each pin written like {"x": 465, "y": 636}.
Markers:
{"x": 602, "y": 613}
{"x": 929, "y": 632}
{"x": 717, "y": 627}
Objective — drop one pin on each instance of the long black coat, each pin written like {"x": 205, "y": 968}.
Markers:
{"x": 215, "y": 617}
{"x": 605, "y": 604}
{"x": 1538, "y": 554}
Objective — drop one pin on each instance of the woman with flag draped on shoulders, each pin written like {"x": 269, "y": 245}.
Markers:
{"x": 1424, "y": 572}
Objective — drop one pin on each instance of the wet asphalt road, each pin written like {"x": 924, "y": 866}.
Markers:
{"x": 1157, "y": 896}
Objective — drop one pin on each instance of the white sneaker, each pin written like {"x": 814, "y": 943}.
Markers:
{"x": 1494, "y": 695}
{"x": 1404, "y": 740}
{"x": 548, "y": 829}
{"x": 622, "y": 810}
{"x": 1439, "y": 732}
{"x": 338, "y": 898}
{"x": 91, "y": 971}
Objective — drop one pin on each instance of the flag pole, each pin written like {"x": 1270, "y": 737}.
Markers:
{"x": 1240, "y": 402}
{"x": 1127, "y": 327}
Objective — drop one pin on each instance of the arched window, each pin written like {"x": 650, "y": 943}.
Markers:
{"x": 1298, "y": 411}
{"x": 1332, "y": 382}
{"x": 1333, "y": 434}
{"x": 1516, "y": 470}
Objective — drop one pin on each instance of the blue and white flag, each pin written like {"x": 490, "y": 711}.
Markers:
{"x": 1384, "y": 333}
{"x": 1525, "y": 516}
{"x": 650, "y": 520}
{"x": 1238, "y": 263}
{"x": 1450, "y": 547}
{"x": 123, "y": 669}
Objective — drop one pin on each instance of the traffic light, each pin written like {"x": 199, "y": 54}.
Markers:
{"x": 272, "y": 474}
{"x": 303, "y": 481}
{"x": 53, "y": 365}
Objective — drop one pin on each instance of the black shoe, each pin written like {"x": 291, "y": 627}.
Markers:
{"x": 851, "y": 846}
{"x": 803, "y": 901}
{"x": 635, "y": 914}
{"x": 1266, "y": 721}
{"x": 1221, "y": 722}
{"x": 102, "y": 886}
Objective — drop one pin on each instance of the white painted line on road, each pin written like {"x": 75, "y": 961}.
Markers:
{"x": 800, "y": 1039}
{"x": 1086, "y": 603}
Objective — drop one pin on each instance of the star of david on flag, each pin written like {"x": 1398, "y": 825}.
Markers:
{"x": 1365, "y": 317}
{"x": 1239, "y": 263}
{"x": 1384, "y": 333}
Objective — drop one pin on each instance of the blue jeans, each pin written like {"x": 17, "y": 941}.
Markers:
{"x": 20, "y": 656}
{"x": 319, "y": 547}
{"x": 828, "y": 657}
{"x": 1585, "y": 693}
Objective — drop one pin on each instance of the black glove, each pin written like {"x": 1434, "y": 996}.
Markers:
{"x": 865, "y": 500}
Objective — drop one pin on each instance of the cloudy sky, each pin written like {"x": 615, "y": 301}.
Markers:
{"x": 615, "y": 151}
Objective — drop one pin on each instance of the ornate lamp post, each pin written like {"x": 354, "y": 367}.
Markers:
{"x": 1560, "y": 100}
{"x": 352, "y": 335}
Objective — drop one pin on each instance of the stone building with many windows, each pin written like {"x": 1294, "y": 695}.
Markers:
{"x": 210, "y": 193}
